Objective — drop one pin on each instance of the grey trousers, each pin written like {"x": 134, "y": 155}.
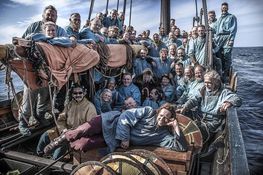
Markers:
{"x": 40, "y": 101}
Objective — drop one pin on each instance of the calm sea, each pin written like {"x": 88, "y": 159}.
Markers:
{"x": 248, "y": 62}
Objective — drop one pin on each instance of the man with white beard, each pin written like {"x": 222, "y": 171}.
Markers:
{"x": 212, "y": 103}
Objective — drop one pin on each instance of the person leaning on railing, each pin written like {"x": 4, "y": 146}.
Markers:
{"x": 212, "y": 102}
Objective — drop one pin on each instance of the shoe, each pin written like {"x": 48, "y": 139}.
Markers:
{"x": 24, "y": 130}
{"x": 55, "y": 144}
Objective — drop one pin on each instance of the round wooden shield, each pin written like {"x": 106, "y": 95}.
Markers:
{"x": 146, "y": 162}
{"x": 123, "y": 163}
{"x": 16, "y": 107}
{"x": 191, "y": 132}
{"x": 93, "y": 168}
{"x": 159, "y": 162}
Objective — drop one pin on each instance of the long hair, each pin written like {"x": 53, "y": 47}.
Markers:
{"x": 170, "y": 107}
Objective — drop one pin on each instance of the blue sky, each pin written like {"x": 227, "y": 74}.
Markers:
{"x": 16, "y": 15}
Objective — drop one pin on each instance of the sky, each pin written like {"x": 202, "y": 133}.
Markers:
{"x": 16, "y": 15}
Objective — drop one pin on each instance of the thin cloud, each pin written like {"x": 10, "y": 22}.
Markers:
{"x": 10, "y": 32}
{"x": 25, "y": 2}
{"x": 145, "y": 15}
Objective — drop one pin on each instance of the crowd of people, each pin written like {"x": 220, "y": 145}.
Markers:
{"x": 168, "y": 71}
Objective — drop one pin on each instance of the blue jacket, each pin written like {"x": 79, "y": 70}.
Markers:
{"x": 208, "y": 104}
{"x": 36, "y": 27}
{"x": 129, "y": 91}
{"x": 162, "y": 67}
{"x": 139, "y": 127}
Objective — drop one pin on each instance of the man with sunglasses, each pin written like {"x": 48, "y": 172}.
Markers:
{"x": 78, "y": 111}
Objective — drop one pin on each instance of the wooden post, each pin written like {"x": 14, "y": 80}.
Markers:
{"x": 165, "y": 15}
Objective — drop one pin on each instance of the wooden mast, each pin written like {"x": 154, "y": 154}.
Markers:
{"x": 165, "y": 15}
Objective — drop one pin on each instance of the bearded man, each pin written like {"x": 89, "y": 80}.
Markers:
{"x": 74, "y": 25}
{"x": 212, "y": 103}
{"x": 78, "y": 111}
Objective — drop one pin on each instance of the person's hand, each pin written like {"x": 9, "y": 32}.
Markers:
{"x": 81, "y": 144}
{"x": 225, "y": 106}
{"x": 74, "y": 44}
{"x": 174, "y": 124}
{"x": 72, "y": 135}
{"x": 125, "y": 144}
{"x": 181, "y": 110}
{"x": 230, "y": 43}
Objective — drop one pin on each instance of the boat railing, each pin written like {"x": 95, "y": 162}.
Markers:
{"x": 237, "y": 153}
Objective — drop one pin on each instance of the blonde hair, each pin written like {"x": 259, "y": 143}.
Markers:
{"x": 49, "y": 23}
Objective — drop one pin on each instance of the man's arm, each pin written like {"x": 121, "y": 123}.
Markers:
{"x": 232, "y": 29}
{"x": 191, "y": 103}
{"x": 178, "y": 142}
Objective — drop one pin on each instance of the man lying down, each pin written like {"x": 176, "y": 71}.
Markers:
{"x": 139, "y": 127}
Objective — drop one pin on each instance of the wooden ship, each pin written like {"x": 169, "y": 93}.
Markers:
{"x": 17, "y": 151}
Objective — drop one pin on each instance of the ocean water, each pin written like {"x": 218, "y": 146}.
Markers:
{"x": 248, "y": 62}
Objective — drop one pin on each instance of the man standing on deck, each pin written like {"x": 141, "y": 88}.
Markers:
{"x": 197, "y": 49}
{"x": 37, "y": 99}
{"x": 212, "y": 20}
{"x": 226, "y": 28}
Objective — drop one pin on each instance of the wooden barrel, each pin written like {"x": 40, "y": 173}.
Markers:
{"x": 163, "y": 168}
{"x": 93, "y": 168}
{"x": 123, "y": 163}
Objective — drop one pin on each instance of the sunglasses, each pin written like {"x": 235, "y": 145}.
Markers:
{"x": 77, "y": 93}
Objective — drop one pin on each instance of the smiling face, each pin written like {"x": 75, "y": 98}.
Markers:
{"x": 143, "y": 53}
{"x": 163, "y": 54}
{"x": 187, "y": 73}
{"x": 154, "y": 95}
{"x": 201, "y": 31}
{"x": 130, "y": 103}
{"x": 127, "y": 80}
{"x": 210, "y": 86}
{"x": 107, "y": 96}
{"x": 180, "y": 53}
{"x": 199, "y": 74}
{"x": 172, "y": 50}
{"x": 75, "y": 22}
{"x": 50, "y": 31}
{"x": 78, "y": 94}
{"x": 164, "y": 117}
{"x": 50, "y": 15}
{"x": 111, "y": 85}
{"x": 165, "y": 81}
{"x": 179, "y": 70}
